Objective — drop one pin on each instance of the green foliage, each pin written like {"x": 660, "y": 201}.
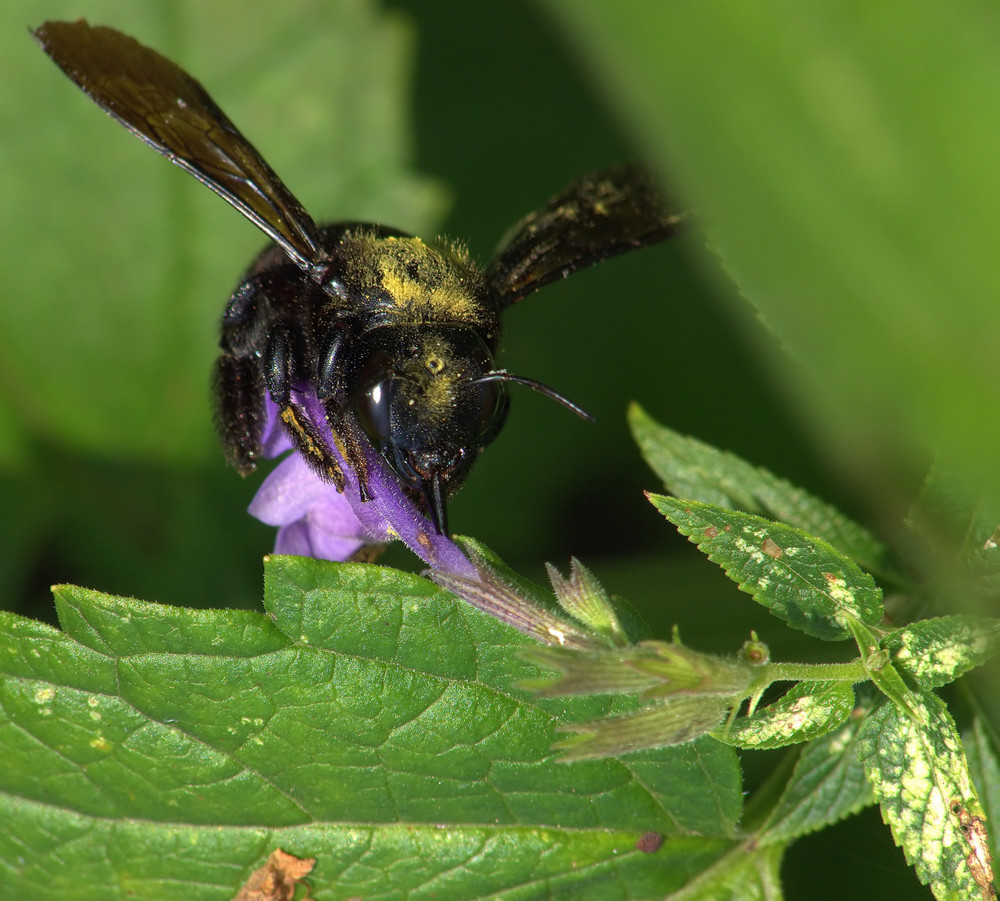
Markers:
{"x": 367, "y": 700}
{"x": 919, "y": 776}
{"x": 691, "y": 469}
{"x": 934, "y": 652}
{"x": 807, "y": 711}
{"x": 800, "y": 578}
{"x": 827, "y": 784}
{"x": 365, "y": 710}
{"x": 903, "y": 749}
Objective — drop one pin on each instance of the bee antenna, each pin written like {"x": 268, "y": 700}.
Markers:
{"x": 502, "y": 375}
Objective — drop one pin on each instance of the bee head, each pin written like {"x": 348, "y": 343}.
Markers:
{"x": 420, "y": 397}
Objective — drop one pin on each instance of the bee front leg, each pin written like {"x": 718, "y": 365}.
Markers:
{"x": 312, "y": 444}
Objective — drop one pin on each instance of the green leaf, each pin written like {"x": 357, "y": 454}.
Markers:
{"x": 161, "y": 752}
{"x": 806, "y": 711}
{"x": 749, "y": 873}
{"x": 984, "y": 765}
{"x": 842, "y": 158}
{"x": 934, "y": 652}
{"x": 692, "y": 469}
{"x": 952, "y": 514}
{"x": 124, "y": 627}
{"x": 827, "y": 785}
{"x": 920, "y": 778}
{"x": 801, "y": 579}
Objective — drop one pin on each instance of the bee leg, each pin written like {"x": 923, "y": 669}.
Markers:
{"x": 312, "y": 445}
{"x": 280, "y": 375}
{"x": 248, "y": 316}
{"x": 328, "y": 375}
{"x": 239, "y": 393}
{"x": 238, "y": 380}
{"x": 350, "y": 442}
{"x": 279, "y": 370}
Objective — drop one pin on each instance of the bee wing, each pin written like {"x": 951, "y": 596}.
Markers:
{"x": 596, "y": 217}
{"x": 160, "y": 103}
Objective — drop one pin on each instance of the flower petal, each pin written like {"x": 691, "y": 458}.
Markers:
{"x": 274, "y": 440}
{"x": 304, "y": 539}
{"x": 288, "y": 493}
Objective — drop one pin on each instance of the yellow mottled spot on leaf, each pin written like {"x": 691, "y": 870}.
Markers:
{"x": 44, "y": 694}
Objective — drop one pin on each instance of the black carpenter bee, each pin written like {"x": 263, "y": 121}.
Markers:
{"x": 395, "y": 336}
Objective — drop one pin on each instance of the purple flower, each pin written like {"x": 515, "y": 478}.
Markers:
{"x": 315, "y": 520}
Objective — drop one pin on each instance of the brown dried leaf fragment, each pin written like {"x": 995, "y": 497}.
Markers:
{"x": 979, "y": 860}
{"x": 277, "y": 878}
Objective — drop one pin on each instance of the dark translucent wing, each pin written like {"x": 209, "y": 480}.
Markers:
{"x": 596, "y": 217}
{"x": 158, "y": 101}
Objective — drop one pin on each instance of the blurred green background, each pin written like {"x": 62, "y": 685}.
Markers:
{"x": 841, "y": 159}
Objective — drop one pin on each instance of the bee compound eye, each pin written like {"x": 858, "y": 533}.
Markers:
{"x": 371, "y": 388}
{"x": 373, "y": 404}
{"x": 493, "y": 411}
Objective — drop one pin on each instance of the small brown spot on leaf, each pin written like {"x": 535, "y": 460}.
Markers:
{"x": 649, "y": 842}
{"x": 711, "y": 532}
{"x": 277, "y": 878}
{"x": 771, "y": 548}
